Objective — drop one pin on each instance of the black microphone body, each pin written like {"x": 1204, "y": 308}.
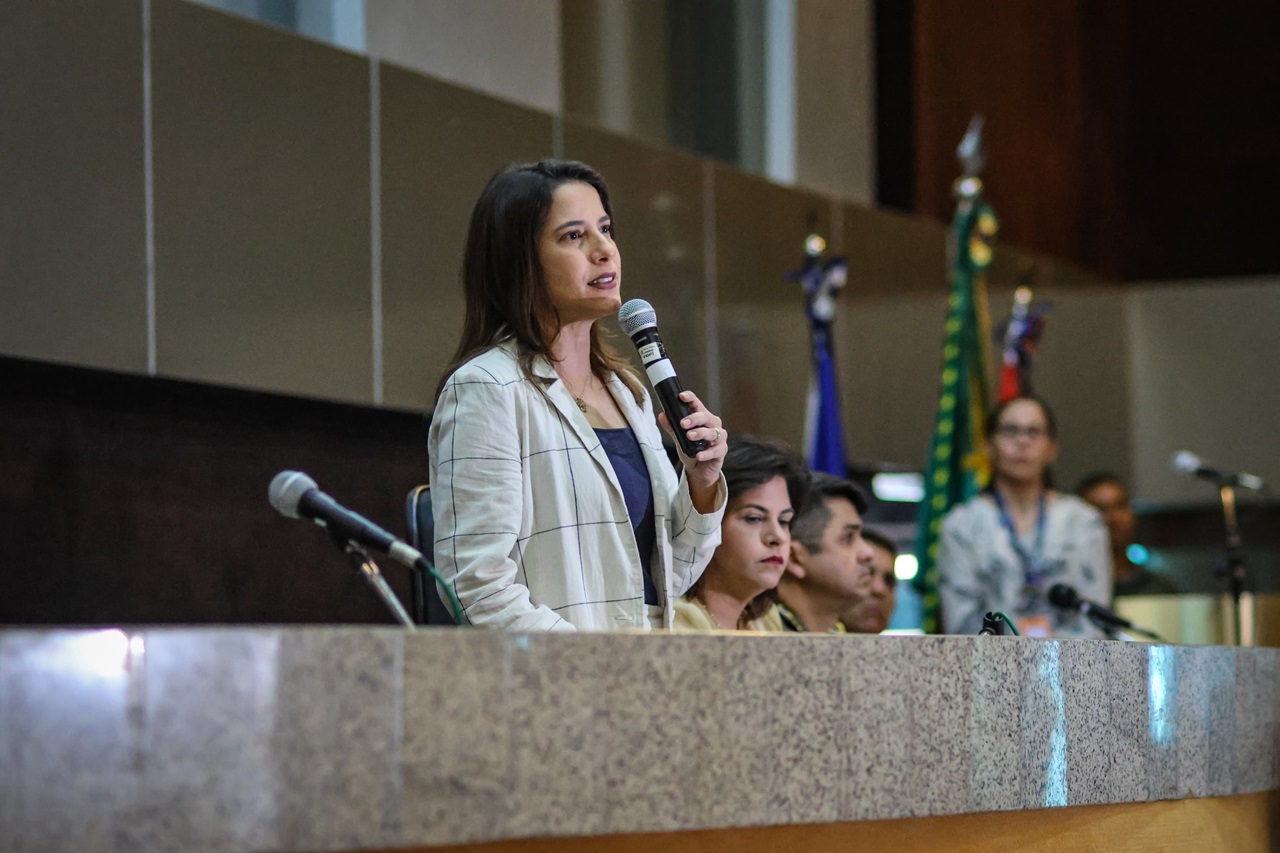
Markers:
{"x": 640, "y": 322}
{"x": 1065, "y": 597}
{"x": 296, "y": 495}
{"x": 318, "y": 506}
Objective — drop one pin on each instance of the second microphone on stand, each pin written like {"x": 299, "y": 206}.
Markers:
{"x": 1066, "y": 598}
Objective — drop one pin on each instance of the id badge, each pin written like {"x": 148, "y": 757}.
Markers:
{"x": 1035, "y": 626}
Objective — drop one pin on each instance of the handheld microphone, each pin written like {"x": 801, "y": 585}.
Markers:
{"x": 640, "y": 322}
{"x": 1188, "y": 463}
{"x": 295, "y": 495}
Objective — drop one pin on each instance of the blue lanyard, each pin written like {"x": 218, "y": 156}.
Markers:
{"x": 1031, "y": 562}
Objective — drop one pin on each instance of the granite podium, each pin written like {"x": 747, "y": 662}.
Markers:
{"x": 331, "y": 738}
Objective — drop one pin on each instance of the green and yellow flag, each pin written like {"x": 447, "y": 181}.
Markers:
{"x": 958, "y": 467}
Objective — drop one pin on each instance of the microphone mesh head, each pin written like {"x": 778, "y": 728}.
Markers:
{"x": 1185, "y": 461}
{"x": 1061, "y": 595}
{"x": 636, "y": 315}
{"x": 286, "y": 491}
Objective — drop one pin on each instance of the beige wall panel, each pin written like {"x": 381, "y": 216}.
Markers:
{"x": 892, "y": 254}
{"x": 763, "y": 335}
{"x": 888, "y": 335}
{"x": 440, "y": 145}
{"x": 890, "y": 361}
{"x": 657, "y": 196}
{"x": 262, "y": 207}
{"x": 1205, "y": 376}
{"x": 835, "y": 98}
{"x": 1082, "y": 371}
{"x": 507, "y": 48}
{"x": 1013, "y": 265}
{"x": 892, "y": 347}
{"x": 889, "y": 344}
{"x": 613, "y": 65}
{"x": 73, "y": 256}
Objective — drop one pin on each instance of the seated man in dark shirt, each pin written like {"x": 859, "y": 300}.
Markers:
{"x": 1108, "y": 493}
{"x": 830, "y": 564}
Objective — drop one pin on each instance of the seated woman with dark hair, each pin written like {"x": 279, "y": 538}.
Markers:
{"x": 767, "y": 485}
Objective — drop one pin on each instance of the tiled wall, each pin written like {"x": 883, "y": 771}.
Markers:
{"x": 72, "y": 216}
{"x": 261, "y": 206}
{"x": 308, "y": 210}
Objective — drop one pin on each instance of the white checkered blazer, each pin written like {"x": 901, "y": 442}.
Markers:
{"x": 532, "y": 529}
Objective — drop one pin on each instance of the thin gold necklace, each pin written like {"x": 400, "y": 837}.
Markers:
{"x": 581, "y": 405}
{"x": 714, "y": 620}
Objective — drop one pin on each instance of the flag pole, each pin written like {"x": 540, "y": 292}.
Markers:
{"x": 957, "y": 468}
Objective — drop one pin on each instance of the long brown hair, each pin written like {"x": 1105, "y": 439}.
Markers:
{"x": 502, "y": 277}
{"x": 752, "y": 462}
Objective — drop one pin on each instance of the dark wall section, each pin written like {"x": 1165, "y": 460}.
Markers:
{"x": 1187, "y": 545}
{"x": 704, "y": 108}
{"x": 126, "y": 499}
{"x": 895, "y": 105}
{"x": 1128, "y": 137}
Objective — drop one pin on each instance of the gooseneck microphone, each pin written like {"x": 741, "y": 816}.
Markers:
{"x": 295, "y": 495}
{"x": 1188, "y": 463}
{"x": 640, "y": 322}
{"x": 1066, "y": 598}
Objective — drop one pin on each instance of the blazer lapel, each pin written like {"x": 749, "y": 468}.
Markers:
{"x": 576, "y": 419}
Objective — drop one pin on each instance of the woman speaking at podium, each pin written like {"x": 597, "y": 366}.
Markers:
{"x": 555, "y": 505}
{"x": 1005, "y": 549}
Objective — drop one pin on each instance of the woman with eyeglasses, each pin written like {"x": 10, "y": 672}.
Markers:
{"x": 1005, "y": 549}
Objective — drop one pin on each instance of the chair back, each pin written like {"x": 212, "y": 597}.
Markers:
{"x": 428, "y": 607}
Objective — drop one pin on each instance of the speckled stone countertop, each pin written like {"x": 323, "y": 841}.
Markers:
{"x": 343, "y": 738}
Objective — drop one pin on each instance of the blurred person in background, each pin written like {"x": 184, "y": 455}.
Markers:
{"x": 1108, "y": 494}
{"x": 1006, "y": 548}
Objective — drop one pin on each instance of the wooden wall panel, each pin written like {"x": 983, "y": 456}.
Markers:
{"x": 134, "y": 500}
{"x": 1131, "y": 138}
{"x": 1247, "y": 823}
{"x": 1017, "y": 64}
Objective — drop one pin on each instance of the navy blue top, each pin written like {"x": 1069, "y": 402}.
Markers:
{"x": 633, "y": 476}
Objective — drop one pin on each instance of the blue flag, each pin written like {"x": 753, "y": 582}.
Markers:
{"x": 823, "y": 433}
{"x": 824, "y": 437}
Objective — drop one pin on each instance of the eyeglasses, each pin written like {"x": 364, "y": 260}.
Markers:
{"x": 1012, "y": 432}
